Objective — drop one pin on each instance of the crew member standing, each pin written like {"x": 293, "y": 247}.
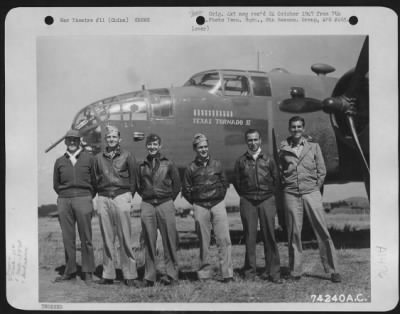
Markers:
{"x": 115, "y": 171}
{"x": 205, "y": 187}
{"x": 303, "y": 175}
{"x": 158, "y": 185}
{"x": 256, "y": 178}
{"x": 73, "y": 182}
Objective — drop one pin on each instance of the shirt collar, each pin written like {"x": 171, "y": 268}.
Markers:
{"x": 201, "y": 161}
{"x": 159, "y": 157}
{"x": 115, "y": 152}
{"x": 75, "y": 155}
{"x": 301, "y": 142}
{"x": 257, "y": 154}
{"x": 151, "y": 157}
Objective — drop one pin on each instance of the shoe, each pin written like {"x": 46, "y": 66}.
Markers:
{"x": 168, "y": 281}
{"x": 148, "y": 283}
{"x": 134, "y": 283}
{"x": 227, "y": 280}
{"x": 88, "y": 277}
{"x": 65, "y": 277}
{"x": 105, "y": 281}
{"x": 335, "y": 277}
{"x": 204, "y": 274}
{"x": 265, "y": 276}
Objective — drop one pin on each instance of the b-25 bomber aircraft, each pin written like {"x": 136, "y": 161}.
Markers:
{"x": 224, "y": 103}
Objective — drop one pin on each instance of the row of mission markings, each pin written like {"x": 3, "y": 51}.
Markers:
{"x": 212, "y": 113}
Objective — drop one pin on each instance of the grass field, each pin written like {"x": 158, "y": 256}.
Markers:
{"x": 354, "y": 265}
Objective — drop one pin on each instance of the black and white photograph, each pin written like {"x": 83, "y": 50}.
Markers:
{"x": 212, "y": 169}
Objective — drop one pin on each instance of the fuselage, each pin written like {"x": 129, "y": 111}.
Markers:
{"x": 222, "y": 104}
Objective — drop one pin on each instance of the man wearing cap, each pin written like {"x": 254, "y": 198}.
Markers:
{"x": 256, "y": 178}
{"x": 205, "y": 186}
{"x": 303, "y": 176}
{"x": 73, "y": 181}
{"x": 115, "y": 172}
{"x": 158, "y": 185}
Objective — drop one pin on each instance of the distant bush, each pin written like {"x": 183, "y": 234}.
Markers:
{"x": 232, "y": 209}
{"x": 327, "y": 207}
{"x": 135, "y": 212}
{"x": 47, "y": 210}
{"x": 349, "y": 210}
{"x": 353, "y": 205}
{"x": 338, "y": 204}
{"x": 183, "y": 212}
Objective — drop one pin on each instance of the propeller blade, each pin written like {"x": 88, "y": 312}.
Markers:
{"x": 360, "y": 72}
{"x": 365, "y": 168}
{"x": 300, "y": 105}
{"x": 279, "y": 192}
{"x": 275, "y": 147}
{"x": 54, "y": 145}
{"x": 356, "y": 141}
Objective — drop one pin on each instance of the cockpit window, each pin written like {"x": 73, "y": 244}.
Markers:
{"x": 261, "y": 86}
{"x": 101, "y": 111}
{"x": 210, "y": 81}
{"x": 128, "y": 110}
{"x": 236, "y": 85}
{"x": 161, "y": 106}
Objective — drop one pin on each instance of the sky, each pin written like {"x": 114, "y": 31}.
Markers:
{"x": 74, "y": 71}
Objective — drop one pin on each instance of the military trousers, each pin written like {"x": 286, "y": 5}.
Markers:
{"x": 218, "y": 218}
{"x": 115, "y": 221}
{"x": 160, "y": 217}
{"x": 71, "y": 211}
{"x": 295, "y": 206}
{"x": 250, "y": 213}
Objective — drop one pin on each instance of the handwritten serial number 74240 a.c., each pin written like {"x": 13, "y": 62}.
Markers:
{"x": 338, "y": 298}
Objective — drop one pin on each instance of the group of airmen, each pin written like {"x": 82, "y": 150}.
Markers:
{"x": 115, "y": 176}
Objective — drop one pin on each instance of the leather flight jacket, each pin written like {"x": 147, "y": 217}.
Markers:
{"x": 204, "y": 183}
{"x": 256, "y": 180}
{"x": 115, "y": 175}
{"x": 160, "y": 183}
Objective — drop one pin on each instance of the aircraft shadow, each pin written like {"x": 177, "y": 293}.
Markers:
{"x": 239, "y": 272}
{"x": 326, "y": 277}
{"x": 356, "y": 239}
{"x": 190, "y": 274}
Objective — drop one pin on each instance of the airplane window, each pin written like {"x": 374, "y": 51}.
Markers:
{"x": 210, "y": 81}
{"x": 261, "y": 86}
{"x": 101, "y": 111}
{"x": 162, "y": 107}
{"x": 126, "y": 111}
{"x": 114, "y": 112}
{"x": 236, "y": 85}
{"x": 134, "y": 110}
